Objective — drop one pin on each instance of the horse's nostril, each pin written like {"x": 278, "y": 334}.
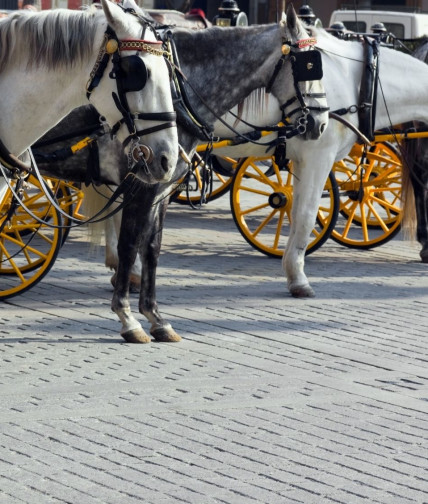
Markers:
{"x": 323, "y": 127}
{"x": 165, "y": 164}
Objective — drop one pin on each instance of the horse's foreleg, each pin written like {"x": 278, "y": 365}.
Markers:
{"x": 112, "y": 230}
{"x": 129, "y": 236}
{"x": 308, "y": 184}
{"x": 150, "y": 247}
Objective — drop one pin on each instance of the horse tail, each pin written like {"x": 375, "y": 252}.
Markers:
{"x": 93, "y": 202}
{"x": 409, "y": 153}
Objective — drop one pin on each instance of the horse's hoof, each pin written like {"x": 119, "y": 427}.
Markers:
{"x": 136, "y": 336}
{"x": 302, "y": 291}
{"x": 424, "y": 255}
{"x": 165, "y": 335}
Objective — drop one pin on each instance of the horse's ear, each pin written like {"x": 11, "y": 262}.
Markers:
{"x": 130, "y": 4}
{"x": 114, "y": 14}
{"x": 292, "y": 19}
{"x": 283, "y": 20}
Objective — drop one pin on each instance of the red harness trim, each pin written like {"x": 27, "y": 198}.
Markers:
{"x": 142, "y": 45}
{"x": 126, "y": 43}
{"x": 306, "y": 42}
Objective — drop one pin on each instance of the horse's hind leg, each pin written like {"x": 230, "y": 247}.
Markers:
{"x": 423, "y": 227}
{"x": 150, "y": 247}
{"x": 419, "y": 179}
{"x": 422, "y": 221}
{"x": 131, "y": 331}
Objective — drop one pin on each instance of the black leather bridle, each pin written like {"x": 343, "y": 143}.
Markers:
{"x": 131, "y": 75}
{"x": 305, "y": 66}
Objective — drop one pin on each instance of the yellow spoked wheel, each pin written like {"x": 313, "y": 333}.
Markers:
{"x": 261, "y": 200}
{"x": 370, "y": 190}
{"x": 70, "y": 199}
{"x": 223, "y": 169}
{"x": 28, "y": 248}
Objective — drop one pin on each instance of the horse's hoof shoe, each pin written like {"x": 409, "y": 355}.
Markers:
{"x": 136, "y": 336}
{"x": 302, "y": 291}
{"x": 165, "y": 335}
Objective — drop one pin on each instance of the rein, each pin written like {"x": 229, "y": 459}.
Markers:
{"x": 193, "y": 121}
{"x": 126, "y": 186}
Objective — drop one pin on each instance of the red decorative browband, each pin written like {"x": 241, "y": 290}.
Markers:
{"x": 306, "y": 42}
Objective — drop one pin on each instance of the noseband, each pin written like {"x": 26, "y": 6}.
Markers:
{"x": 305, "y": 66}
{"x": 130, "y": 74}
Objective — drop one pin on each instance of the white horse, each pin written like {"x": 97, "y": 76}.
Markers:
{"x": 54, "y": 61}
{"x": 397, "y": 102}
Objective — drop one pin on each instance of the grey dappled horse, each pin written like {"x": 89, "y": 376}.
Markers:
{"x": 217, "y": 85}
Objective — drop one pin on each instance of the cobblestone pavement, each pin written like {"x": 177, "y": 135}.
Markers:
{"x": 268, "y": 399}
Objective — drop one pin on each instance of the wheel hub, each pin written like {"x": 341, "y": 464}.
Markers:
{"x": 277, "y": 200}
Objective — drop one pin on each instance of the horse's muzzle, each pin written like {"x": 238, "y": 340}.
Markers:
{"x": 314, "y": 129}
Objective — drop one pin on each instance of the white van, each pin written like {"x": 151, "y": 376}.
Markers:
{"x": 404, "y": 25}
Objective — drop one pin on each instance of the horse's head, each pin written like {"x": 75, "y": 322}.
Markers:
{"x": 297, "y": 82}
{"x": 141, "y": 113}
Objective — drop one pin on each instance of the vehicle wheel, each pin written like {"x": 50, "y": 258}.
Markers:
{"x": 261, "y": 200}
{"x": 28, "y": 249}
{"x": 70, "y": 199}
{"x": 223, "y": 169}
{"x": 370, "y": 196}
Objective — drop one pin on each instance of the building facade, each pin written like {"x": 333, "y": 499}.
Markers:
{"x": 264, "y": 11}
{"x": 258, "y": 11}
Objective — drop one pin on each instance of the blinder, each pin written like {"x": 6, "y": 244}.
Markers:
{"x": 133, "y": 73}
{"x": 307, "y": 65}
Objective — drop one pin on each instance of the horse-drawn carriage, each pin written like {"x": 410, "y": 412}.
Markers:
{"x": 360, "y": 202}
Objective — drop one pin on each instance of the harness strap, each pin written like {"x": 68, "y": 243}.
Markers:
{"x": 368, "y": 90}
{"x": 296, "y": 87}
{"x": 10, "y": 161}
{"x": 276, "y": 71}
{"x": 298, "y": 109}
{"x": 149, "y": 116}
{"x": 107, "y": 48}
{"x": 147, "y": 131}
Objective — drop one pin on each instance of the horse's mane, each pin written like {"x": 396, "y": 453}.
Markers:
{"x": 421, "y": 52}
{"x": 255, "y": 102}
{"x": 58, "y": 38}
